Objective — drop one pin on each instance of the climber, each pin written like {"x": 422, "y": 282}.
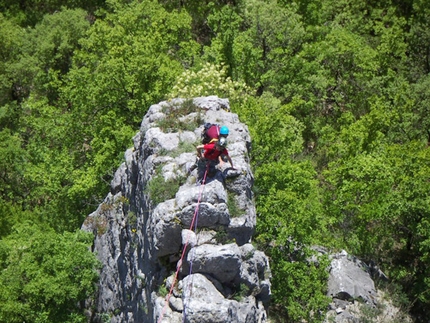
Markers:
{"x": 210, "y": 156}
{"x": 212, "y": 132}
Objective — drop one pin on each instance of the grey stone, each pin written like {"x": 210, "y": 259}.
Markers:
{"x": 220, "y": 261}
{"x": 350, "y": 280}
{"x": 139, "y": 242}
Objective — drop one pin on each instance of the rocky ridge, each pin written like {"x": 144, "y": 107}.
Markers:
{"x": 147, "y": 229}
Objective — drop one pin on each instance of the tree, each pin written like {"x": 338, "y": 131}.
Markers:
{"x": 251, "y": 40}
{"x": 376, "y": 190}
{"x": 10, "y": 44}
{"x": 28, "y": 13}
{"x": 209, "y": 80}
{"x": 129, "y": 60}
{"x": 48, "y": 50}
{"x": 289, "y": 208}
{"x": 44, "y": 276}
{"x": 418, "y": 41}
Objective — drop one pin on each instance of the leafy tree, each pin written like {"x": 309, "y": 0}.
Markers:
{"x": 10, "y": 43}
{"x": 361, "y": 202}
{"x": 208, "y": 80}
{"x": 38, "y": 167}
{"x": 251, "y": 41}
{"x": 49, "y": 166}
{"x": 11, "y": 165}
{"x": 225, "y": 25}
{"x": 278, "y": 34}
{"x": 29, "y": 12}
{"x": 48, "y": 50}
{"x": 291, "y": 219}
{"x": 129, "y": 60}
{"x": 410, "y": 214}
{"x": 200, "y": 10}
{"x": 289, "y": 207}
{"x": 418, "y": 41}
{"x": 299, "y": 285}
{"x": 375, "y": 189}
{"x": 416, "y": 123}
{"x": 44, "y": 276}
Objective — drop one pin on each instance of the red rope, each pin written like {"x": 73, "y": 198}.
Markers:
{"x": 185, "y": 247}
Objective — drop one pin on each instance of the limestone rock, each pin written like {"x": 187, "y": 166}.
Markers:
{"x": 349, "y": 279}
{"x": 355, "y": 298}
{"x": 145, "y": 229}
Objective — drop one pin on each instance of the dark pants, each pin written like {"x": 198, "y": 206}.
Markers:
{"x": 203, "y": 165}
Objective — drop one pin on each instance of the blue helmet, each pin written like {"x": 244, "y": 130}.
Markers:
{"x": 223, "y": 131}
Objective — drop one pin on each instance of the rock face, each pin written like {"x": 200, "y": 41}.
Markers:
{"x": 355, "y": 298}
{"x": 172, "y": 250}
{"x": 350, "y": 280}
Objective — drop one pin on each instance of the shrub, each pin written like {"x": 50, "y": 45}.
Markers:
{"x": 160, "y": 190}
{"x": 209, "y": 80}
{"x": 174, "y": 120}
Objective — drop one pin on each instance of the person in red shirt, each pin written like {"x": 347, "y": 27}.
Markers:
{"x": 211, "y": 155}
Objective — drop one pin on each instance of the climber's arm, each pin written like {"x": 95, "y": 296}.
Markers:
{"x": 199, "y": 150}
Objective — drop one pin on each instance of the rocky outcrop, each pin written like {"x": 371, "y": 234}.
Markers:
{"x": 350, "y": 280}
{"x": 355, "y": 298}
{"x": 172, "y": 250}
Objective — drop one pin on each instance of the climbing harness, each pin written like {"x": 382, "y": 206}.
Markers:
{"x": 193, "y": 225}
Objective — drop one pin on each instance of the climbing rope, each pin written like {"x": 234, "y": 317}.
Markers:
{"x": 178, "y": 267}
{"x": 190, "y": 284}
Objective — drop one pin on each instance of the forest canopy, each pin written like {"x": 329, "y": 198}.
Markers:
{"x": 336, "y": 95}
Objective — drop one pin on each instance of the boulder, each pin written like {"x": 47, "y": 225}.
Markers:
{"x": 350, "y": 280}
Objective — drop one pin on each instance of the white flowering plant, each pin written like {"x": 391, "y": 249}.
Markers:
{"x": 209, "y": 80}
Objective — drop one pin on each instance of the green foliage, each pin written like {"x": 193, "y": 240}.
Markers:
{"x": 289, "y": 203}
{"x": 45, "y": 275}
{"x": 221, "y": 236}
{"x": 48, "y": 168}
{"x": 416, "y": 116}
{"x": 160, "y": 189}
{"x": 208, "y": 80}
{"x": 241, "y": 292}
{"x": 277, "y": 134}
{"x": 175, "y": 114}
{"x": 255, "y": 45}
{"x": 11, "y": 165}
{"x": 10, "y": 44}
{"x": 129, "y": 60}
{"x": 10, "y": 215}
{"x": 298, "y": 285}
{"x": 233, "y": 207}
{"x": 339, "y": 125}
{"x": 418, "y": 37}
{"x": 48, "y": 51}
{"x": 29, "y": 12}
{"x": 362, "y": 202}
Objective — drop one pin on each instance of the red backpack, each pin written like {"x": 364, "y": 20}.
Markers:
{"x": 210, "y": 133}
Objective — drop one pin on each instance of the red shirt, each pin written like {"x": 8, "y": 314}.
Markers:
{"x": 212, "y": 153}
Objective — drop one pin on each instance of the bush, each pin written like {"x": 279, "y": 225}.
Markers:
{"x": 160, "y": 190}
{"x": 44, "y": 275}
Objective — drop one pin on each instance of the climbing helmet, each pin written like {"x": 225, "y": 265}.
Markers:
{"x": 223, "y": 131}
